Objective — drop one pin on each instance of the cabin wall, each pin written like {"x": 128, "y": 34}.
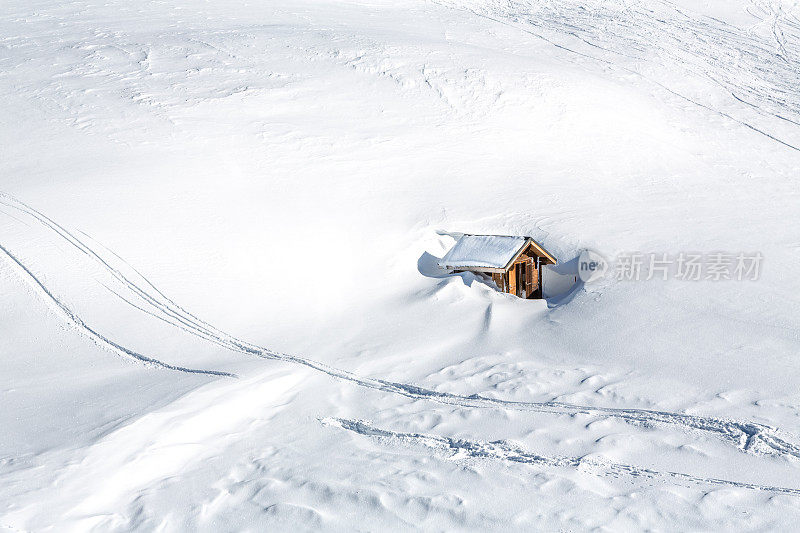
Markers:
{"x": 499, "y": 280}
{"x": 533, "y": 275}
{"x": 514, "y": 287}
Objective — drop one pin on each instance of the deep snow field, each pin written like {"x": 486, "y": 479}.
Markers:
{"x": 219, "y": 226}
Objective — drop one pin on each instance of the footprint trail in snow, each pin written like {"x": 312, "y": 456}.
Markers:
{"x": 504, "y": 451}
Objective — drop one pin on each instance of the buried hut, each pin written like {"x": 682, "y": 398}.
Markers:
{"x": 514, "y": 263}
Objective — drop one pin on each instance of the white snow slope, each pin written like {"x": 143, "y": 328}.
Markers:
{"x": 219, "y": 228}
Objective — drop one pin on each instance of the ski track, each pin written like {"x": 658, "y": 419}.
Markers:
{"x": 763, "y": 75}
{"x": 747, "y": 436}
{"x": 504, "y": 451}
{"x": 96, "y": 337}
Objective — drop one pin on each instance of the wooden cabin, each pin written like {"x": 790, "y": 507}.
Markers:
{"x": 514, "y": 263}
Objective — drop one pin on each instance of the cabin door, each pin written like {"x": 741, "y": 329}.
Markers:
{"x": 521, "y": 276}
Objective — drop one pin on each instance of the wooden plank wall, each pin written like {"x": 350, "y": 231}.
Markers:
{"x": 530, "y": 266}
{"x": 532, "y": 275}
{"x": 498, "y": 279}
{"x": 507, "y": 282}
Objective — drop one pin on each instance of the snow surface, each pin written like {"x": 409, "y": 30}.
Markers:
{"x": 220, "y": 226}
{"x": 493, "y": 251}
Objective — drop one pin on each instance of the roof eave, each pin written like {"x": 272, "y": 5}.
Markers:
{"x": 537, "y": 246}
{"x": 544, "y": 252}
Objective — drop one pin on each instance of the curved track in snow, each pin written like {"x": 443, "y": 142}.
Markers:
{"x": 504, "y": 451}
{"x": 747, "y": 436}
{"x": 97, "y": 338}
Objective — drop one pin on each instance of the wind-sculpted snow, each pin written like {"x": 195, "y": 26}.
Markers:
{"x": 504, "y": 451}
{"x": 747, "y": 436}
{"x": 760, "y": 71}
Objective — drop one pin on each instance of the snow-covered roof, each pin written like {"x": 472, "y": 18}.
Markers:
{"x": 483, "y": 251}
